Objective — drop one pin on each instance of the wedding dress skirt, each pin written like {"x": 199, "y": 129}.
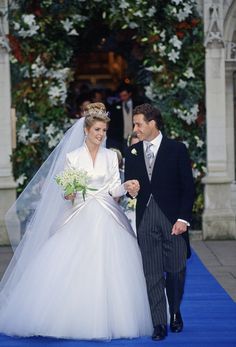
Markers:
{"x": 86, "y": 281}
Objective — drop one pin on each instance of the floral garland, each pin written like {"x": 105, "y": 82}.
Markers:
{"x": 168, "y": 35}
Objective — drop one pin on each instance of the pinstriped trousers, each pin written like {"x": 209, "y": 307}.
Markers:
{"x": 164, "y": 262}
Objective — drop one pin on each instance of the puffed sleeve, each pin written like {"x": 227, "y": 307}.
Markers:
{"x": 116, "y": 189}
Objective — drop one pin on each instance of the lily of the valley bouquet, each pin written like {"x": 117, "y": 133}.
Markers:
{"x": 73, "y": 181}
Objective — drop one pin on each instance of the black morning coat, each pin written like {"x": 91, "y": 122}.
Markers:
{"x": 171, "y": 184}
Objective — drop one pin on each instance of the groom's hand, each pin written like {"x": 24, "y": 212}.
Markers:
{"x": 179, "y": 228}
{"x": 132, "y": 187}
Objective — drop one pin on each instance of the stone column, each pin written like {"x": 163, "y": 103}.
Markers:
{"x": 7, "y": 185}
{"x": 231, "y": 125}
{"x": 218, "y": 216}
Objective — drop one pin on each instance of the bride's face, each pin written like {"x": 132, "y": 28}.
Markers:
{"x": 96, "y": 133}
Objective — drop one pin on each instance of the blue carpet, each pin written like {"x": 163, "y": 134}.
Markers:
{"x": 209, "y": 315}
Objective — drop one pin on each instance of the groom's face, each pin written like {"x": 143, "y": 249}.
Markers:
{"x": 145, "y": 130}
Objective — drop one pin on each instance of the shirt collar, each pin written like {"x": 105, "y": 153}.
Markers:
{"x": 156, "y": 141}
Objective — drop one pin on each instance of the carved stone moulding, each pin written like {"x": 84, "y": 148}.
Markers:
{"x": 214, "y": 23}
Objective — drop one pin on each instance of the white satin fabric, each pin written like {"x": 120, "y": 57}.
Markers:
{"x": 86, "y": 281}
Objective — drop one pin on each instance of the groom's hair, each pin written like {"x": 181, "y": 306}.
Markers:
{"x": 150, "y": 113}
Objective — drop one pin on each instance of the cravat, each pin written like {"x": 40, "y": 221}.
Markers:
{"x": 149, "y": 153}
{"x": 126, "y": 107}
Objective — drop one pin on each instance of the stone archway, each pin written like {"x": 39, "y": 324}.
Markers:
{"x": 219, "y": 214}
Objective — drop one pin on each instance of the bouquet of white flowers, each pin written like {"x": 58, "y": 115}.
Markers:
{"x": 73, "y": 181}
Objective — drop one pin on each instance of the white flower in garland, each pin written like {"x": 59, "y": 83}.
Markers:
{"x": 174, "y": 134}
{"x": 154, "y": 68}
{"x": 34, "y": 138}
{"x": 58, "y": 94}
{"x": 55, "y": 135}
{"x": 16, "y": 26}
{"x": 139, "y": 14}
{"x": 189, "y": 73}
{"x": 55, "y": 139}
{"x": 29, "y": 19}
{"x": 22, "y": 134}
{"x": 176, "y": 42}
{"x": 47, "y": 3}
{"x": 163, "y": 35}
{"x": 133, "y": 25}
{"x": 182, "y": 14}
{"x": 194, "y": 110}
{"x": 150, "y": 91}
{"x": 73, "y": 32}
{"x": 200, "y": 143}
{"x": 188, "y": 9}
{"x": 38, "y": 68}
{"x": 173, "y": 56}
{"x": 54, "y": 92}
{"x": 29, "y": 102}
{"x": 25, "y": 71}
{"x": 51, "y": 129}
{"x": 176, "y": 2}
{"x": 196, "y": 173}
{"x": 29, "y": 33}
{"x": 13, "y": 60}
{"x": 78, "y": 18}
{"x": 21, "y": 179}
{"x": 162, "y": 50}
{"x": 181, "y": 84}
{"x": 60, "y": 74}
{"x": 124, "y": 4}
{"x": 67, "y": 24}
{"x": 188, "y": 116}
{"x": 151, "y": 11}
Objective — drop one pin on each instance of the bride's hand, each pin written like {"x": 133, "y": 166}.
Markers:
{"x": 70, "y": 196}
{"x": 132, "y": 187}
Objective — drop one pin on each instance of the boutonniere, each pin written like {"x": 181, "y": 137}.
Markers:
{"x": 118, "y": 107}
{"x": 134, "y": 151}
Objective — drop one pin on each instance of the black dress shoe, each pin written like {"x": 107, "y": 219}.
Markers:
{"x": 176, "y": 322}
{"x": 159, "y": 332}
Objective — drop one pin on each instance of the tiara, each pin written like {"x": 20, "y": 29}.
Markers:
{"x": 95, "y": 113}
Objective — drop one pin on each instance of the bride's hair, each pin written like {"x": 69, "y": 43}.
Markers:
{"x": 93, "y": 112}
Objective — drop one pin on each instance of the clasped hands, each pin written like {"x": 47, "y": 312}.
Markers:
{"x": 132, "y": 187}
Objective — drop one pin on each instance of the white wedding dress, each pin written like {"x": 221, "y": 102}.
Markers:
{"x": 86, "y": 281}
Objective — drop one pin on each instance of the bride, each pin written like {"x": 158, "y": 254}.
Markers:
{"x": 77, "y": 272}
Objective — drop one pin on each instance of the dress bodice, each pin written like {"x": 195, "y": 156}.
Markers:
{"x": 103, "y": 172}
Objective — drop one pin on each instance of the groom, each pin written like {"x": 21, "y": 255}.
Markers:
{"x": 163, "y": 214}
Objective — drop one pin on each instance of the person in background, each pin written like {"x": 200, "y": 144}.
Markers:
{"x": 121, "y": 125}
{"x": 82, "y": 102}
{"x": 97, "y": 95}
